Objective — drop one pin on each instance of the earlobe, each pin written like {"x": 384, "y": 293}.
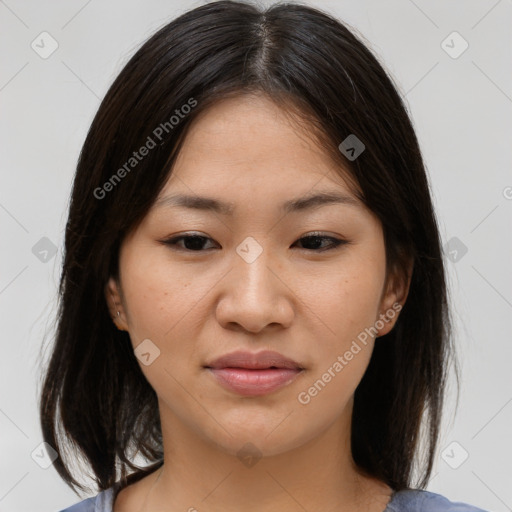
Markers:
{"x": 115, "y": 306}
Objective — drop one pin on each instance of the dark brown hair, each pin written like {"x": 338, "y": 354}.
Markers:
{"x": 95, "y": 402}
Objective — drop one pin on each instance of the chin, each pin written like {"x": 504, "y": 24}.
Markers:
{"x": 257, "y": 438}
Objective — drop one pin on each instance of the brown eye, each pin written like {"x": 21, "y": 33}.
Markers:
{"x": 194, "y": 243}
{"x": 314, "y": 242}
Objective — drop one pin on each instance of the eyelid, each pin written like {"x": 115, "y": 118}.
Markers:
{"x": 171, "y": 241}
{"x": 336, "y": 241}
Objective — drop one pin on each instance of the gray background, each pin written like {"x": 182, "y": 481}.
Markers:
{"x": 461, "y": 108}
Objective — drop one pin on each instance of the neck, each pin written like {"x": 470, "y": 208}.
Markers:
{"x": 318, "y": 475}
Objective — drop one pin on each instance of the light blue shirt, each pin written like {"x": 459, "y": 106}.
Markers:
{"x": 407, "y": 500}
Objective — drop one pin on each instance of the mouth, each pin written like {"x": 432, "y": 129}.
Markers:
{"x": 250, "y": 374}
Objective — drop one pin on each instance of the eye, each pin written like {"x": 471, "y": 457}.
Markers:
{"x": 312, "y": 242}
{"x": 193, "y": 243}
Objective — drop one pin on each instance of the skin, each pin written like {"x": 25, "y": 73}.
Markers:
{"x": 302, "y": 302}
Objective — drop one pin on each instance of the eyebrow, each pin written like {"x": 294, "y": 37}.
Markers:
{"x": 306, "y": 202}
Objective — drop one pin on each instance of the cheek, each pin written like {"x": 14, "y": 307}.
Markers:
{"x": 344, "y": 306}
{"x": 327, "y": 392}
{"x": 156, "y": 297}
{"x": 345, "y": 310}
{"x": 344, "y": 302}
{"x": 166, "y": 304}
{"x": 161, "y": 305}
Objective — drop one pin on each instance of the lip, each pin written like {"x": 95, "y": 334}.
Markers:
{"x": 254, "y": 361}
{"x": 254, "y": 374}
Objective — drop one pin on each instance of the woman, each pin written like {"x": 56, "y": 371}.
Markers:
{"x": 253, "y": 296}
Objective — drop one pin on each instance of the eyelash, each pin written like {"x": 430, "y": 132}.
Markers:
{"x": 335, "y": 242}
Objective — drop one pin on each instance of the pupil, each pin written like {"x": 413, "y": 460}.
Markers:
{"x": 194, "y": 242}
{"x": 312, "y": 239}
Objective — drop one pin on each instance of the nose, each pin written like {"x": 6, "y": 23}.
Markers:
{"x": 255, "y": 296}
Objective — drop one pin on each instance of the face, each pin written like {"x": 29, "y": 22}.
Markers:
{"x": 259, "y": 268}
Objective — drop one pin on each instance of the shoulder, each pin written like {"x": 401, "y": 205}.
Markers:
{"x": 418, "y": 500}
{"x": 99, "y": 503}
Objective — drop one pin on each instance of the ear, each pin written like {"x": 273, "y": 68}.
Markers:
{"x": 115, "y": 305}
{"x": 394, "y": 296}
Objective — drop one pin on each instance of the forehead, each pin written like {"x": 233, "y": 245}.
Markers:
{"x": 250, "y": 142}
